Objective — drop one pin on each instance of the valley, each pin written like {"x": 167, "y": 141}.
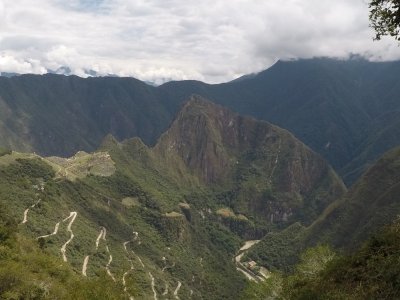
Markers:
{"x": 248, "y": 268}
{"x": 217, "y": 206}
{"x": 345, "y": 110}
{"x": 199, "y": 150}
{"x": 101, "y": 212}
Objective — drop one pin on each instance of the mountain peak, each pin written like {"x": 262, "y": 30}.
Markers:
{"x": 221, "y": 147}
{"x": 108, "y": 142}
{"x": 196, "y": 99}
{"x": 199, "y": 136}
{"x": 198, "y": 102}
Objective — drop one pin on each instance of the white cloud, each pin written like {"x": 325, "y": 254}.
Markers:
{"x": 1, "y": 9}
{"x": 211, "y": 40}
{"x": 10, "y": 64}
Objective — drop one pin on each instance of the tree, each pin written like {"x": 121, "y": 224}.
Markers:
{"x": 385, "y": 18}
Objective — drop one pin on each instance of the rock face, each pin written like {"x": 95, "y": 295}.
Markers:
{"x": 263, "y": 168}
{"x": 204, "y": 137}
{"x": 251, "y": 167}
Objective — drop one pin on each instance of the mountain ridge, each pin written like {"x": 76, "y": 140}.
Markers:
{"x": 337, "y": 108}
{"x": 210, "y": 145}
{"x": 151, "y": 220}
{"x": 370, "y": 204}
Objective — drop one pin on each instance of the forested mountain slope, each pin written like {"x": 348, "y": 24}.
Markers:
{"x": 163, "y": 221}
{"x": 371, "y": 203}
{"x": 345, "y": 110}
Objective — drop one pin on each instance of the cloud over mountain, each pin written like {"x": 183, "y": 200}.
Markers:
{"x": 158, "y": 40}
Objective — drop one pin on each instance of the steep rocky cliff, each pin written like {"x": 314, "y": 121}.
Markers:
{"x": 264, "y": 170}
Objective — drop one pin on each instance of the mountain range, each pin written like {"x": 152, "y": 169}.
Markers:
{"x": 345, "y": 110}
{"x": 172, "y": 215}
{"x": 125, "y": 190}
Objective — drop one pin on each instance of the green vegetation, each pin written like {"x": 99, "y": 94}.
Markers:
{"x": 363, "y": 270}
{"x": 28, "y": 272}
{"x": 385, "y": 18}
{"x": 269, "y": 289}
{"x": 101, "y": 202}
{"x": 280, "y": 250}
{"x": 347, "y": 111}
{"x": 260, "y": 175}
{"x": 133, "y": 220}
{"x": 158, "y": 212}
{"x": 370, "y": 204}
{"x": 130, "y": 202}
{"x": 372, "y": 272}
{"x": 4, "y": 151}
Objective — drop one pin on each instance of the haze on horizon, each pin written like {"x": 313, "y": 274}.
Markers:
{"x": 160, "y": 40}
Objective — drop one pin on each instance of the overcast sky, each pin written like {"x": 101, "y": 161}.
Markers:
{"x": 154, "y": 40}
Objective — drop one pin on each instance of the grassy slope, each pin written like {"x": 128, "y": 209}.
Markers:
{"x": 371, "y": 203}
{"x": 171, "y": 206}
{"x": 371, "y": 272}
{"x": 98, "y": 202}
